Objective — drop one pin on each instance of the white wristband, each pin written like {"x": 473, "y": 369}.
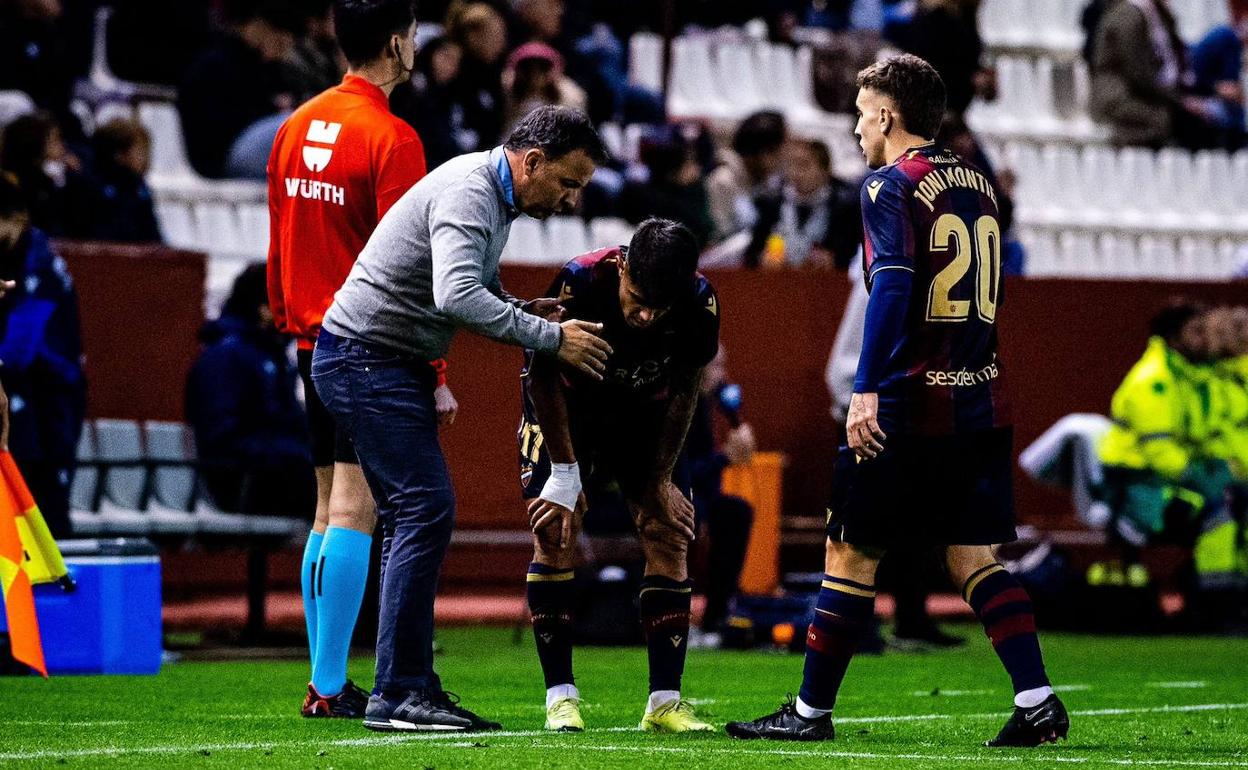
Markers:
{"x": 564, "y": 485}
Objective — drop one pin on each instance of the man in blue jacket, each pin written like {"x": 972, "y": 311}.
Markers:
{"x": 40, "y": 358}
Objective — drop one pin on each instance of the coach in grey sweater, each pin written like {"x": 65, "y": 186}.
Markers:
{"x": 431, "y": 268}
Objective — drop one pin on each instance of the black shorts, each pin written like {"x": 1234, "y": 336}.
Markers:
{"x": 330, "y": 444}
{"x": 925, "y": 491}
{"x": 616, "y": 456}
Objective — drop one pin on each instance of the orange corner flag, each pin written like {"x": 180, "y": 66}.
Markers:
{"x": 15, "y": 560}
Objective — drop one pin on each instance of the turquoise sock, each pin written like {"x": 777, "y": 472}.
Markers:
{"x": 341, "y": 574}
{"x": 307, "y": 581}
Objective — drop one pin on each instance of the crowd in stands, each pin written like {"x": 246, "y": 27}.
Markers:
{"x": 1152, "y": 88}
{"x": 1176, "y": 456}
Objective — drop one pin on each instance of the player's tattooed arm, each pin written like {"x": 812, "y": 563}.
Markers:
{"x": 665, "y": 499}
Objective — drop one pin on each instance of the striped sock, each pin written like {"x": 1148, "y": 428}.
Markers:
{"x": 307, "y": 582}
{"x": 844, "y": 609}
{"x": 1004, "y": 608}
{"x": 551, "y": 592}
{"x": 665, "y": 619}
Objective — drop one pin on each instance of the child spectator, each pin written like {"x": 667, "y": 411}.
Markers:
{"x": 123, "y": 210}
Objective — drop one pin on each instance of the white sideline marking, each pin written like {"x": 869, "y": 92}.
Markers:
{"x": 1178, "y": 685}
{"x": 925, "y": 758}
{"x": 383, "y": 740}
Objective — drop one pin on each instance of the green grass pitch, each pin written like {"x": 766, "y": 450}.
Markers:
{"x": 1135, "y": 702}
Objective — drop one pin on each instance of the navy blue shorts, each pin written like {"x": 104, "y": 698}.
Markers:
{"x": 925, "y": 491}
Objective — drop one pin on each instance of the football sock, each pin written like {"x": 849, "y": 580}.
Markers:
{"x": 659, "y": 698}
{"x": 1031, "y": 698}
{"x": 341, "y": 574}
{"x": 665, "y": 620}
{"x": 1005, "y": 611}
{"x": 842, "y": 613}
{"x": 307, "y": 582}
{"x": 551, "y": 592}
{"x": 561, "y": 691}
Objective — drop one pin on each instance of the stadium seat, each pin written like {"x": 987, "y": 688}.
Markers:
{"x": 610, "y": 231}
{"x": 217, "y": 226}
{"x": 119, "y": 447}
{"x": 169, "y": 160}
{"x": 84, "y": 515}
{"x": 566, "y": 238}
{"x": 177, "y": 224}
{"x": 253, "y": 229}
{"x": 527, "y": 243}
{"x": 645, "y": 61}
{"x": 172, "y": 486}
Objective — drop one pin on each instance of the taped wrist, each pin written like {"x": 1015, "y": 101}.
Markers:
{"x": 564, "y": 485}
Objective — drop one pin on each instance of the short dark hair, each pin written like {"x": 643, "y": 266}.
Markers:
{"x": 24, "y": 141}
{"x": 249, "y": 293}
{"x": 557, "y": 131}
{"x": 364, "y": 27}
{"x": 1169, "y": 322}
{"x": 914, "y": 86}
{"x": 662, "y": 261}
{"x": 761, "y": 132}
{"x": 117, "y": 136}
{"x": 12, "y": 199}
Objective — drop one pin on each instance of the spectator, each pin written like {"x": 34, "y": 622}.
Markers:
{"x": 481, "y": 34}
{"x": 751, "y": 170}
{"x": 1217, "y": 67}
{"x": 428, "y": 103}
{"x": 251, "y": 434}
{"x": 671, "y": 183}
{"x": 546, "y": 21}
{"x": 534, "y": 78}
{"x": 815, "y": 222}
{"x": 946, "y": 34}
{"x": 41, "y": 347}
{"x": 1139, "y": 65}
{"x": 237, "y": 83}
{"x": 49, "y": 175}
{"x": 36, "y": 56}
{"x": 122, "y": 209}
{"x": 1161, "y": 481}
{"x": 316, "y": 64}
{"x": 156, "y": 41}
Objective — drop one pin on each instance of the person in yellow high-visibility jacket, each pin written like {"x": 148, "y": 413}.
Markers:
{"x": 1221, "y": 552}
{"x": 1159, "y": 477}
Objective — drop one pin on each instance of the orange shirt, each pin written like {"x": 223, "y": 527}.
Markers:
{"x": 338, "y": 164}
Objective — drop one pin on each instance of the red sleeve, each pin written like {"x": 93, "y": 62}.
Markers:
{"x": 277, "y": 301}
{"x": 403, "y": 166}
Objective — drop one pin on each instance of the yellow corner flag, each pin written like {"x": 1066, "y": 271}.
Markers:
{"x": 25, "y": 545}
{"x": 43, "y": 561}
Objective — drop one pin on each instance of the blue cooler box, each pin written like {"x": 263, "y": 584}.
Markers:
{"x": 110, "y": 624}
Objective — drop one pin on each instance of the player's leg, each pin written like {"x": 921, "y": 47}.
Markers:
{"x": 312, "y": 554}
{"x": 551, "y": 594}
{"x": 665, "y": 597}
{"x": 1003, "y": 606}
{"x": 342, "y": 573}
{"x": 550, "y": 590}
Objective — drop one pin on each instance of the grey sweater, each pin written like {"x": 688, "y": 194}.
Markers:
{"x": 431, "y": 267}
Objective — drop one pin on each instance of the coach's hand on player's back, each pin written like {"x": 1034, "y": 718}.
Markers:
{"x": 582, "y": 348}
{"x": 862, "y": 426}
{"x": 545, "y": 307}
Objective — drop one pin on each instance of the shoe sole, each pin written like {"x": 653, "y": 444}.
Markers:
{"x": 564, "y": 729}
{"x": 398, "y": 725}
{"x": 752, "y": 736}
{"x": 1053, "y": 736}
{"x": 664, "y": 731}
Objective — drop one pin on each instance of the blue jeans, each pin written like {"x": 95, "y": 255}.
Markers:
{"x": 384, "y": 401}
